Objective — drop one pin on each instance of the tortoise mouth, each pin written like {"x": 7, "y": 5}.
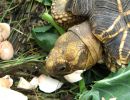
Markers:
{"x": 60, "y": 70}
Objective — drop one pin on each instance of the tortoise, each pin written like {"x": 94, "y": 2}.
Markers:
{"x": 109, "y": 23}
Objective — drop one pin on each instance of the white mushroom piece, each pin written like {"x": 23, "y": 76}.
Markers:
{"x": 48, "y": 84}
{"x": 6, "y": 50}
{"x": 6, "y": 81}
{"x": 45, "y": 84}
{"x": 6, "y": 93}
{"x": 74, "y": 77}
{"x": 24, "y": 84}
{"x": 4, "y": 31}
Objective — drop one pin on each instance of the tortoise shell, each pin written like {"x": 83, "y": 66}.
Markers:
{"x": 110, "y": 23}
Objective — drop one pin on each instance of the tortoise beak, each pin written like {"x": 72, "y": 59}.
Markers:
{"x": 57, "y": 71}
{"x": 57, "y": 75}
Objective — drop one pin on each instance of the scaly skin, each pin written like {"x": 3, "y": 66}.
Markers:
{"x": 65, "y": 19}
{"x": 76, "y": 49}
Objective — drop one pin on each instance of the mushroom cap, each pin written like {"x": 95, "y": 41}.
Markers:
{"x": 4, "y": 31}
{"x": 6, "y": 50}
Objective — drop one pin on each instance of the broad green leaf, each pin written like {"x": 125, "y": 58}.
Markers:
{"x": 90, "y": 95}
{"x": 116, "y": 85}
{"x": 45, "y": 37}
{"x": 42, "y": 29}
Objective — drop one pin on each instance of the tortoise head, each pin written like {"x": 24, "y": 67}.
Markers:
{"x": 72, "y": 53}
{"x": 69, "y": 54}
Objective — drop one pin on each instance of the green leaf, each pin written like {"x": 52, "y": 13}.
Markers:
{"x": 96, "y": 73}
{"x": 91, "y": 95}
{"x": 42, "y": 29}
{"x": 39, "y": 1}
{"x": 45, "y": 37}
{"x": 47, "y": 2}
{"x": 116, "y": 85}
{"x": 82, "y": 86}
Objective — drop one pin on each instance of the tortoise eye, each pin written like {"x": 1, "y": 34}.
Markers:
{"x": 61, "y": 67}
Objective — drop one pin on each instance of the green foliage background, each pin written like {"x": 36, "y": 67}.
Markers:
{"x": 116, "y": 85}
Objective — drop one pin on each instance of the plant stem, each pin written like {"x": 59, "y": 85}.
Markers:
{"x": 47, "y": 17}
